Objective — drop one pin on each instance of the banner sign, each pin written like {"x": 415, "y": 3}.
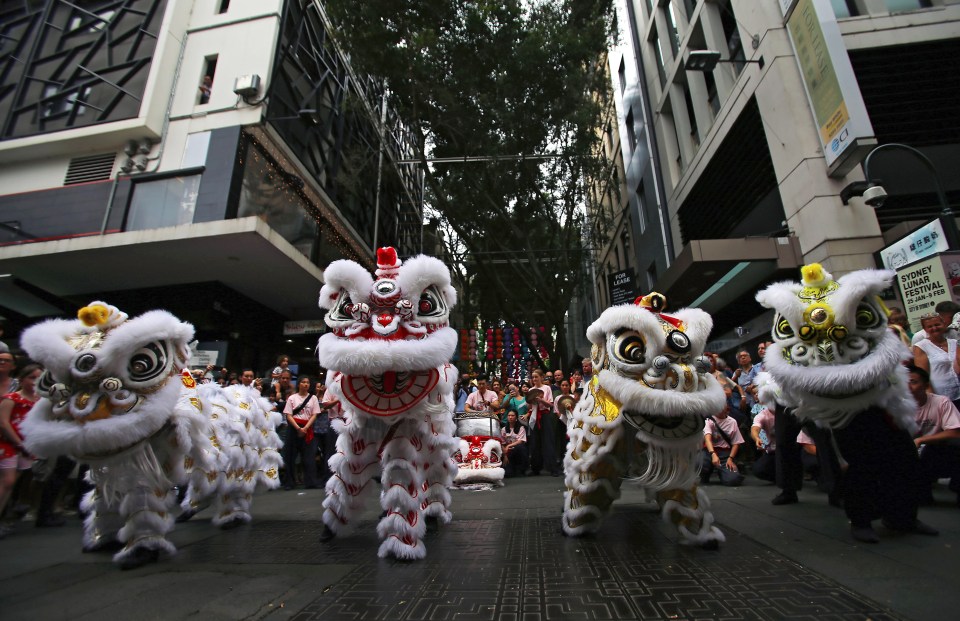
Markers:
{"x": 927, "y": 240}
{"x": 305, "y": 326}
{"x": 622, "y": 287}
{"x": 833, "y": 94}
{"x": 922, "y": 286}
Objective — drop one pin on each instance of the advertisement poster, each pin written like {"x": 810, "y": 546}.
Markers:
{"x": 622, "y": 289}
{"x": 925, "y": 284}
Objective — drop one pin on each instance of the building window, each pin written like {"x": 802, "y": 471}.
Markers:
{"x": 631, "y": 133}
{"x": 732, "y": 34}
{"x": 694, "y": 130}
{"x": 195, "y": 151}
{"x": 63, "y": 104}
{"x": 845, "y": 8}
{"x": 899, "y": 6}
{"x": 206, "y": 80}
{"x": 658, "y": 54}
{"x": 622, "y": 75}
{"x": 272, "y": 195}
{"x": 674, "y": 28}
{"x": 91, "y": 22}
{"x": 641, "y": 210}
{"x": 224, "y": 5}
{"x": 164, "y": 202}
{"x": 713, "y": 98}
{"x": 690, "y": 6}
{"x": 652, "y": 277}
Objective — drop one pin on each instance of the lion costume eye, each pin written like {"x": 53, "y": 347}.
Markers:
{"x": 339, "y": 311}
{"x": 45, "y": 383}
{"x": 781, "y": 328}
{"x": 431, "y": 303}
{"x": 85, "y": 363}
{"x": 867, "y": 317}
{"x": 148, "y": 362}
{"x": 629, "y": 347}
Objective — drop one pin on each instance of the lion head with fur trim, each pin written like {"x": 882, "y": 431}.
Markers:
{"x": 652, "y": 367}
{"x": 110, "y": 381}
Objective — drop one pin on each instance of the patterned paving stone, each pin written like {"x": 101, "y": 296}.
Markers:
{"x": 522, "y": 569}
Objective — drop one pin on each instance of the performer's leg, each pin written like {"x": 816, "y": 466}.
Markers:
{"x": 439, "y": 469}
{"x": 593, "y": 467}
{"x": 672, "y": 472}
{"x": 353, "y": 465}
{"x": 860, "y": 480}
{"x": 149, "y": 517}
{"x": 101, "y": 524}
{"x": 403, "y": 526}
{"x": 789, "y": 463}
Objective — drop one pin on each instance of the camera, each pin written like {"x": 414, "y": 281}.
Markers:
{"x": 875, "y": 196}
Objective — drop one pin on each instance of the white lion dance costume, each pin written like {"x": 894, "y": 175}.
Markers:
{"x": 388, "y": 353}
{"x": 115, "y": 396}
{"x": 834, "y": 361}
{"x": 650, "y": 374}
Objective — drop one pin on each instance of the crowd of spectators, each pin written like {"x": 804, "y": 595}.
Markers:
{"x": 531, "y": 415}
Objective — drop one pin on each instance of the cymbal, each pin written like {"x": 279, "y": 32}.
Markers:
{"x": 565, "y": 403}
{"x": 533, "y": 394}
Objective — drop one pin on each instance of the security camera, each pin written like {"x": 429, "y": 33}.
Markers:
{"x": 875, "y": 196}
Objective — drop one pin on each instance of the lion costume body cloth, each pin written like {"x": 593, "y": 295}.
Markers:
{"x": 649, "y": 395}
{"x": 115, "y": 395}
{"x": 388, "y": 353}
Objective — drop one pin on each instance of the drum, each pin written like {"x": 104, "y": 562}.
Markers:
{"x": 471, "y": 424}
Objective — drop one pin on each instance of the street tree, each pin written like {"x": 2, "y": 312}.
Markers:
{"x": 484, "y": 82}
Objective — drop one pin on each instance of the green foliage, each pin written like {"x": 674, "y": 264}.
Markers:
{"x": 486, "y": 78}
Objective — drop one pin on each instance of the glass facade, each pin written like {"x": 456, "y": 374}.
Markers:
{"x": 162, "y": 202}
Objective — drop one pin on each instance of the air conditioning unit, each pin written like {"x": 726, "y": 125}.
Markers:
{"x": 247, "y": 85}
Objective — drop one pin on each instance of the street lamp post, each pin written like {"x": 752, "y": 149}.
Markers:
{"x": 875, "y": 195}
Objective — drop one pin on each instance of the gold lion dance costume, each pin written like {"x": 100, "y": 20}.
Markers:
{"x": 388, "y": 353}
{"x": 115, "y": 395}
{"x": 650, "y": 393}
{"x": 835, "y": 362}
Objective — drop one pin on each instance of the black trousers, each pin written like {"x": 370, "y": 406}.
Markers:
{"x": 883, "y": 478}
{"x": 765, "y": 466}
{"x": 517, "y": 458}
{"x": 52, "y": 486}
{"x": 326, "y": 447}
{"x": 940, "y": 460}
{"x": 298, "y": 445}
{"x": 789, "y": 453}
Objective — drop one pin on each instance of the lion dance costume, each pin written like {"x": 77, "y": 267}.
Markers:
{"x": 650, "y": 378}
{"x": 115, "y": 396}
{"x": 388, "y": 353}
{"x": 834, "y": 361}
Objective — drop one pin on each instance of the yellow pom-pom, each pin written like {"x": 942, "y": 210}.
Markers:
{"x": 93, "y": 315}
{"x": 812, "y": 274}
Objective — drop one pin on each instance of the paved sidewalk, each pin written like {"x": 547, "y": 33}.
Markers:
{"x": 502, "y": 558}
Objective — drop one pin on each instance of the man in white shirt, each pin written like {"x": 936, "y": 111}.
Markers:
{"x": 483, "y": 399}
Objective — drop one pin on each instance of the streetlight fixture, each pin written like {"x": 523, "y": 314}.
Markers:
{"x": 875, "y": 195}
{"x": 707, "y": 60}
